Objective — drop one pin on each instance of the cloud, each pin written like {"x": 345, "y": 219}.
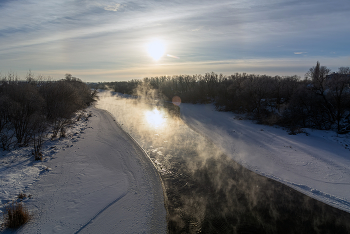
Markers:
{"x": 114, "y": 7}
{"x": 86, "y": 33}
{"x": 197, "y": 29}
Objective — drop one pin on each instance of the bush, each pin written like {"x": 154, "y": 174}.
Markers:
{"x": 22, "y": 196}
{"x": 16, "y": 215}
{"x": 28, "y": 109}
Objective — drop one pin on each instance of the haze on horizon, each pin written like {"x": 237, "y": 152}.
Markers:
{"x": 111, "y": 40}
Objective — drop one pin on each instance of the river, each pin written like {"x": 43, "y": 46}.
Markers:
{"x": 207, "y": 192}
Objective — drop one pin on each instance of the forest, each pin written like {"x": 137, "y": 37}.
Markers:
{"x": 320, "y": 100}
{"x": 31, "y": 108}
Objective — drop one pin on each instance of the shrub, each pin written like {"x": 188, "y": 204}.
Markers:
{"x": 16, "y": 215}
{"x": 22, "y": 196}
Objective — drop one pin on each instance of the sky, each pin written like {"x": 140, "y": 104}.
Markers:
{"x": 103, "y": 40}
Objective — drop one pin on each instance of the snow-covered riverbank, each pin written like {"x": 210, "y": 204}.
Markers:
{"x": 316, "y": 163}
{"x": 98, "y": 181}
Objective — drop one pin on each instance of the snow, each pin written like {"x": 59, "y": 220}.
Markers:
{"x": 96, "y": 180}
{"x": 316, "y": 163}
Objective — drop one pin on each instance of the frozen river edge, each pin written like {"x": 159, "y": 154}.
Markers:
{"x": 315, "y": 163}
{"x": 101, "y": 183}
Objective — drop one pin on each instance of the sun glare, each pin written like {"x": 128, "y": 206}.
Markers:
{"x": 156, "y": 49}
{"x": 155, "y": 118}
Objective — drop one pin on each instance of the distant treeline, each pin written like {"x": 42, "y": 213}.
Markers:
{"x": 321, "y": 100}
{"x": 28, "y": 109}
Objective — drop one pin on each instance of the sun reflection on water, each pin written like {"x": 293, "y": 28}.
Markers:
{"x": 155, "y": 118}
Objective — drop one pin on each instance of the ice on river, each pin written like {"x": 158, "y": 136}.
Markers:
{"x": 316, "y": 163}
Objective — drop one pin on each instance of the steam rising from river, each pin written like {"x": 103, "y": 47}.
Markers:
{"x": 176, "y": 150}
{"x": 206, "y": 191}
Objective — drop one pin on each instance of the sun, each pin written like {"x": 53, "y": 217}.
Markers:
{"x": 156, "y": 49}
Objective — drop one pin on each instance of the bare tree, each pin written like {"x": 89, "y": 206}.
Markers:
{"x": 318, "y": 75}
{"x": 339, "y": 96}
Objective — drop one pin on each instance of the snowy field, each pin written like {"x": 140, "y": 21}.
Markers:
{"x": 316, "y": 163}
{"x": 96, "y": 180}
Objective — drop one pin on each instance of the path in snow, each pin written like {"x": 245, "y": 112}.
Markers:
{"x": 317, "y": 165}
{"x": 103, "y": 183}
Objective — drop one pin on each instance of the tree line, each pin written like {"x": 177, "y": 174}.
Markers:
{"x": 31, "y": 108}
{"x": 321, "y": 100}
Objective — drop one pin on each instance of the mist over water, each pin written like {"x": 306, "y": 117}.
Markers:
{"x": 207, "y": 192}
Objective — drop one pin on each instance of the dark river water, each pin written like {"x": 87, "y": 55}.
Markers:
{"x": 207, "y": 192}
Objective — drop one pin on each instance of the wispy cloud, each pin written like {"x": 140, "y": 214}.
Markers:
{"x": 197, "y": 29}
{"x": 86, "y": 34}
{"x": 115, "y": 7}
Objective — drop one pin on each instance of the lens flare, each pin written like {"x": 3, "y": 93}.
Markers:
{"x": 155, "y": 118}
{"x": 173, "y": 56}
{"x": 176, "y": 100}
